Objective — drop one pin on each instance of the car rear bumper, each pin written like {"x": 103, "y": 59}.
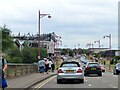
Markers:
{"x": 70, "y": 76}
{"x": 92, "y": 72}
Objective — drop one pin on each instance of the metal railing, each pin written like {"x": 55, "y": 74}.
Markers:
{"x": 15, "y": 70}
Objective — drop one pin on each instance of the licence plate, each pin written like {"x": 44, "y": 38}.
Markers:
{"x": 69, "y": 71}
{"x": 93, "y": 68}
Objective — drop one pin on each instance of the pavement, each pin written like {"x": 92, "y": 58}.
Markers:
{"x": 28, "y": 80}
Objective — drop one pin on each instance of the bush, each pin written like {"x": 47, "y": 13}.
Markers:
{"x": 16, "y": 60}
{"x": 30, "y": 54}
{"x": 14, "y": 55}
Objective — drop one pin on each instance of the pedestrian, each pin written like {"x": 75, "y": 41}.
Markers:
{"x": 46, "y": 65}
{"x": 53, "y": 67}
{"x": 104, "y": 62}
{"x": 41, "y": 65}
{"x": 3, "y": 68}
{"x": 50, "y": 63}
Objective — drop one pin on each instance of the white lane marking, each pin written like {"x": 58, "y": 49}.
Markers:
{"x": 115, "y": 76}
{"x": 44, "y": 82}
{"x": 112, "y": 86}
{"x": 89, "y": 85}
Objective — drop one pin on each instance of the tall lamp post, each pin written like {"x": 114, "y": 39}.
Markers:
{"x": 98, "y": 47}
{"x": 89, "y": 44}
{"x": 40, "y": 16}
{"x": 109, "y": 36}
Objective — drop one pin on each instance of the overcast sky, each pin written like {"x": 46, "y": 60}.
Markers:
{"x": 76, "y": 21}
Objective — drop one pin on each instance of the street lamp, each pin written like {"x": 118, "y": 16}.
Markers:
{"x": 40, "y": 16}
{"x": 98, "y": 43}
{"x": 98, "y": 46}
{"x": 89, "y": 44}
{"x": 108, "y": 36}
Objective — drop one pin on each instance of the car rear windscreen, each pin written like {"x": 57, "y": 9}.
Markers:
{"x": 70, "y": 65}
{"x": 93, "y": 65}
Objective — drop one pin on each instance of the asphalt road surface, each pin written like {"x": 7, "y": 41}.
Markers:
{"x": 108, "y": 80}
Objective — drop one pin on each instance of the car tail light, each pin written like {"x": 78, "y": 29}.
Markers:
{"x": 60, "y": 71}
{"x": 86, "y": 67}
{"x": 99, "y": 67}
{"x": 79, "y": 71}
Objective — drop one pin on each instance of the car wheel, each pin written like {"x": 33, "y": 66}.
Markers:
{"x": 82, "y": 80}
{"x": 114, "y": 73}
{"x": 100, "y": 74}
{"x": 117, "y": 73}
{"x": 85, "y": 74}
{"x": 58, "y": 81}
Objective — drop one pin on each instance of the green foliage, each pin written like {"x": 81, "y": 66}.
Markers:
{"x": 117, "y": 57}
{"x": 6, "y": 38}
{"x": 30, "y": 54}
{"x": 43, "y": 53}
{"x": 96, "y": 55}
{"x": 14, "y": 55}
{"x": 85, "y": 51}
{"x": 71, "y": 53}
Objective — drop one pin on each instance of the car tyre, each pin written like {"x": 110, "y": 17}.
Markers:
{"x": 85, "y": 74}
{"x": 82, "y": 80}
{"x": 58, "y": 81}
{"x": 100, "y": 74}
{"x": 114, "y": 73}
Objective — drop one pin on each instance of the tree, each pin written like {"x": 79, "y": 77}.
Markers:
{"x": 6, "y": 38}
{"x": 30, "y": 54}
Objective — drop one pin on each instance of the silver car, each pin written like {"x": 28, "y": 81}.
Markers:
{"x": 70, "y": 71}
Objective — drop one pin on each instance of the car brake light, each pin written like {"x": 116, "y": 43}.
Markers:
{"x": 79, "y": 71}
{"x": 99, "y": 67}
{"x": 60, "y": 71}
{"x": 86, "y": 67}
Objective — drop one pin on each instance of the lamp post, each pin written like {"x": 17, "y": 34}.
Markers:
{"x": 89, "y": 44}
{"x": 40, "y": 16}
{"x": 98, "y": 47}
{"x": 109, "y": 36}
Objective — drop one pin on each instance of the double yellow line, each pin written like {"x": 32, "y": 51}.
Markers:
{"x": 44, "y": 82}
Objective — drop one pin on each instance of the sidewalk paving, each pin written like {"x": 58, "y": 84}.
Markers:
{"x": 28, "y": 80}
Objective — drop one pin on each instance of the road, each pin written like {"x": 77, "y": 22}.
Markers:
{"x": 108, "y": 80}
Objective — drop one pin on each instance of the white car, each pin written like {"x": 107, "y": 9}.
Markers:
{"x": 70, "y": 71}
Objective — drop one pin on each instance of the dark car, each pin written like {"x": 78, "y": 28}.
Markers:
{"x": 92, "y": 68}
{"x": 116, "y": 69}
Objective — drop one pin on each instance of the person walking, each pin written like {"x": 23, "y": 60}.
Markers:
{"x": 46, "y": 65}
{"x": 3, "y": 68}
{"x": 53, "y": 67}
{"x": 50, "y": 64}
{"x": 41, "y": 65}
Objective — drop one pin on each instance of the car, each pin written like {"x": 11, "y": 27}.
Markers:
{"x": 92, "y": 68}
{"x": 70, "y": 71}
{"x": 116, "y": 69}
{"x": 102, "y": 68}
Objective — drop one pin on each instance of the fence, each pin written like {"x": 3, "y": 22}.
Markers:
{"x": 15, "y": 70}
